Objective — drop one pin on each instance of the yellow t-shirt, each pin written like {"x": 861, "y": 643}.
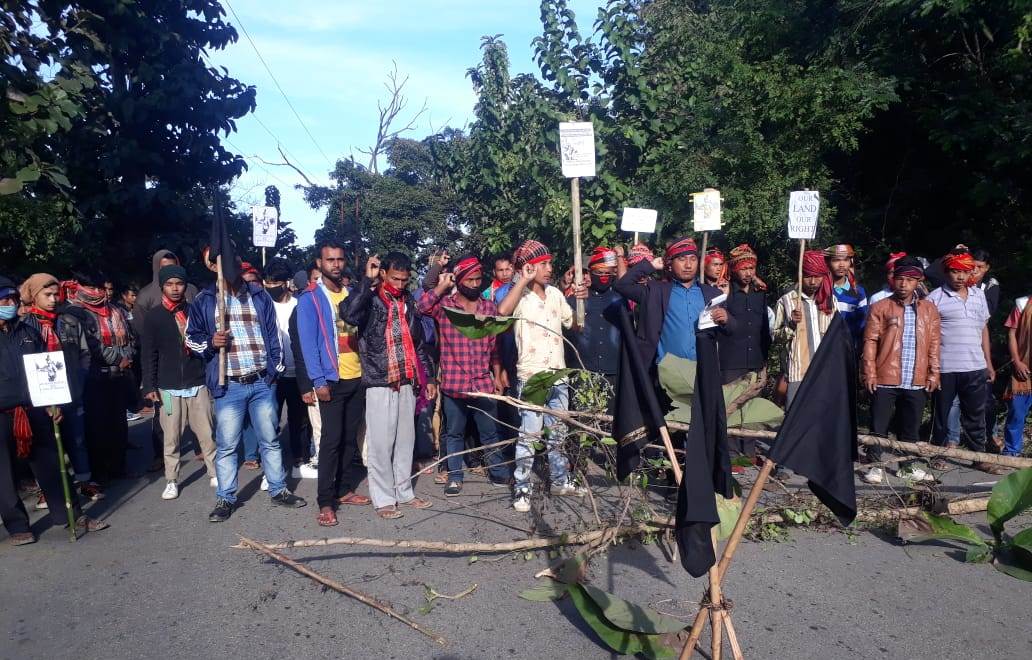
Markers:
{"x": 348, "y": 364}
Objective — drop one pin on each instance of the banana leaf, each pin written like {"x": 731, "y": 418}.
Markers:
{"x": 478, "y": 326}
{"x": 1011, "y": 495}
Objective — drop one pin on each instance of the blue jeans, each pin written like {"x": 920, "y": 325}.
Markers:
{"x": 73, "y": 436}
{"x": 484, "y": 411}
{"x": 1015, "y": 430}
{"x": 258, "y": 402}
{"x": 533, "y": 423}
{"x": 248, "y": 449}
{"x": 953, "y": 425}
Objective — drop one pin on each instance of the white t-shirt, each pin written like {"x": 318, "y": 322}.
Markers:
{"x": 539, "y": 349}
{"x": 283, "y": 312}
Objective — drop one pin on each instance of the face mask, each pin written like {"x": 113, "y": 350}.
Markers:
{"x": 8, "y": 312}
{"x": 601, "y": 283}
{"x": 471, "y": 292}
{"x": 276, "y": 291}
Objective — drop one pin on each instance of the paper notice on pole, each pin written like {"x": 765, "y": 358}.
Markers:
{"x": 47, "y": 376}
{"x": 706, "y": 317}
{"x": 639, "y": 220}
{"x": 265, "y": 225}
{"x": 803, "y": 208}
{"x": 707, "y": 211}
{"x": 577, "y": 148}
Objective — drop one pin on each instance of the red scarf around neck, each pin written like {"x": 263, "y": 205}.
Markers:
{"x": 178, "y": 311}
{"x": 113, "y": 330}
{"x": 395, "y": 304}
{"x": 47, "y": 321}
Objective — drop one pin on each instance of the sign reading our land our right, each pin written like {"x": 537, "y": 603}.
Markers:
{"x": 803, "y": 208}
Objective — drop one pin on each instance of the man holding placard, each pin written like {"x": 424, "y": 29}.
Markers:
{"x": 26, "y": 431}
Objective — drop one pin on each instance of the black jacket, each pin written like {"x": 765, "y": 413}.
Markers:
{"x": 72, "y": 336}
{"x": 19, "y": 339}
{"x": 653, "y": 300}
{"x": 745, "y": 339}
{"x": 365, "y": 310}
{"x": 164, "y": 362}
{"x": 598, "y": 342}
{"x": 103, "y": 356}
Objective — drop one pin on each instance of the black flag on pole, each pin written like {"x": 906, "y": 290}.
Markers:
{"x": 637, "y": 415}
{"x": 707, "y": 462}
{"x": 818, "y": 437}
{"x": 220, "y": 243}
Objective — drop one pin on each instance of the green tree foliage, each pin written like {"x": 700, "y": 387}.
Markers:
{"x": 910, "y": 116}
{"x": 124, "y": 132}
{"x": 406, "y": 208}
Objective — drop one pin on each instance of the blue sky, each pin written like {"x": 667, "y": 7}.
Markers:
{"x": 332, "y": 57}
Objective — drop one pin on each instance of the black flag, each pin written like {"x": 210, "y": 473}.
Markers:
{"x": 637, "y": 415}
{"x": 818, "y": 437}
{"x": 221, "y": 245}
{"x": 707, "y": 462}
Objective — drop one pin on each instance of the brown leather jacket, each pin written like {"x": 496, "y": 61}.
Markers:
{"x": 883, "y": 344}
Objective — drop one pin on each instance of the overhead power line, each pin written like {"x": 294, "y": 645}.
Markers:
{"x": 276, "y": 82}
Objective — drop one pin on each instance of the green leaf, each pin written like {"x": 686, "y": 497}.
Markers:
{"x": 544, "y": 593}
{"x": 930, "y": 527}
{"x": 1011, "y": 495}
{"x": 59, "y": 178}
{"x": 631, "y": 616}
{"x": 1023, "y": 541}
{"x": 478, "y": 326}
{"x": 536, "y": 389}
{"x": 28, "y": 174}
{"x": 1014, "y": 562}
{"x": 10, "y": 186}
{"x": 756, "y": 413}
{"x": 728, "y": 510}
{"x": 624, "y": 642}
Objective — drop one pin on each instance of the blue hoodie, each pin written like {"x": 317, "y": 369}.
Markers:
{"x": 200, "y": 327}
{"x": 317, "y": 332}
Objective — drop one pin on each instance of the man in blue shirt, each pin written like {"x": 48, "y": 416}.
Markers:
{"x": 850, "y": 297}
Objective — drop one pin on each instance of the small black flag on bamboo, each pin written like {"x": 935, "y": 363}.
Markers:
{"x": 818, "y": 439}
{"x": 221, "y": 245}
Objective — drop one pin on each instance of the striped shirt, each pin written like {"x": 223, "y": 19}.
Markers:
{"x": 246, "y": 352}
{"x": 962, "y": 322}
{"x": 805, "y": 338}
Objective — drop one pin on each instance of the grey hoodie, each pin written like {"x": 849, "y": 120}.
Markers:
{"x": 150, "y": 295}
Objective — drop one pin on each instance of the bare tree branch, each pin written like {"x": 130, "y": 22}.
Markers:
{"x": 286, "y": 163}
{"x": 395, "y": 105}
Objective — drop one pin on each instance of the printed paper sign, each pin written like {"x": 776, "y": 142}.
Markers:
{"x": 639, "y": 220}
{"x": 707, "y": 211}
{"x": 47, "y": 376}
{"x": 265, "y": 224}
{"x": 803, "y": 208}
{"x": 706, "y": 317}
{"x": 577, "y": 148}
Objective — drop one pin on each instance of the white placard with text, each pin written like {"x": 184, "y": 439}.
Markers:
{"x": 47, "y": 376}
{"x": 265, "y": 225}
{"x": 803, "y": 209}
{"x": 706, "y": 216}
{"x": 577, "y": 148}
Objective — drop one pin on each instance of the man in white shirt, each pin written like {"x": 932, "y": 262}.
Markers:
{"x": 277, "y": 279}
{"x": 539, "y": 345}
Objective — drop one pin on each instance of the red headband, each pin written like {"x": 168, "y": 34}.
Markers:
{"x": 962, "y": 262}
{"x": 467, "y": 267}
{"x": 602, "y": 256}
{"x": 681, "y": 247}
{"x": 742, "y": 256}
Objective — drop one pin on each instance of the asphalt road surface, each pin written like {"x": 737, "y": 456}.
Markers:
{"x": 163, "y": 582}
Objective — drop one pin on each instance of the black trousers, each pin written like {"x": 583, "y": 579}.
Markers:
{"x": 341, "y": 417}
{"x": 107, "y": 431}
{"x": 893, "y": 403}
{"x": 287, "y": 391}
{"x": 969, "y": 387}
{"x": 45, "y": 467}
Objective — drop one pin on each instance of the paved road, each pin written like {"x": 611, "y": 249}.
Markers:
{"x": 163, "y": 582}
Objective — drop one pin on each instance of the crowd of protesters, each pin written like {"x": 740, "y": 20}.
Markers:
{"x": 362, "y": 367}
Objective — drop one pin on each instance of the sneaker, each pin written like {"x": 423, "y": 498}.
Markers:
{"x": 213, "y": 482}
{"x": 288, "y": 499}
{"x": 453, "y": 489}
{"x": 309, "y": 470}
{"x": 915, "y": 474}
{"x": 171, "y": 491}
{"x": 130, "y": 416}
{"x": 41, "y": 503}
{"x": 90, "y": 490}
{"x": 569, "y": 489}
{"x": 222, "y": 511}
{"x": 265, "y": 483}
{"x": 874, "y": 475}
{"x": 21, "y": 538}
{"x": 521, "y": 502}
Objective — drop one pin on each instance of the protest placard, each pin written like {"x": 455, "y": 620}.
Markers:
{"x": 577, "y": 148}
{"x": 47, "y": 376}
{"x": 638, "y": 220}
{"x": 706, "y": 210}
{"x": 265, "y": 225}
{"x": 803, "y": 208}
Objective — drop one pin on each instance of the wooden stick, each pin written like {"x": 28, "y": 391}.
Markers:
{"x": 954, "y": 508}
{"x": 716, "y": 607}
{"x": 578, "y": 276}
{"x": 675, "y": 464}
{"x": 732, "y": 638}
{"x": 468, "y": 548}
{"x": 64, "y": 481}
{"x": 802, "y": 251}
{"x": 702, "y": 257}
{"x": 220, "y": 319}
{"x": 337, "y": 586}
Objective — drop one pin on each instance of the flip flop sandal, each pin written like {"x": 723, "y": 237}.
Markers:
{"x": 389, "y": 512}
{"x": 417, "y": 503}
{"x": 355, "y": 499}
{"x": 327, "y": 519}
{"x": 441, "y": 478}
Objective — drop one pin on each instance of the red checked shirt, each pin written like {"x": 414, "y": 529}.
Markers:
{"x": 465, "y": 363}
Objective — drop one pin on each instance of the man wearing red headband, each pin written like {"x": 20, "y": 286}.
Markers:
{"x": 966, "y": 362}
{"x": 467, "y": 365}
{"x": 803, "y": 320}
{"x": 539, "y": 346}
{"x": 714, "y": 269}
{"x": 669, "y": 309}
{"x": 598, "y": 342}
{"x": 850, "y": 296}
{"x": 889, "y": 289}
{"x": 900, "y": 364}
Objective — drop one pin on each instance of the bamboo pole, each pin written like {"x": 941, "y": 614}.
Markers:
{"x": 337, "y": 586}
{"x": 578, "y": 276}
{"x": 802, "y": 251}
{"x": 64, "y": 480}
